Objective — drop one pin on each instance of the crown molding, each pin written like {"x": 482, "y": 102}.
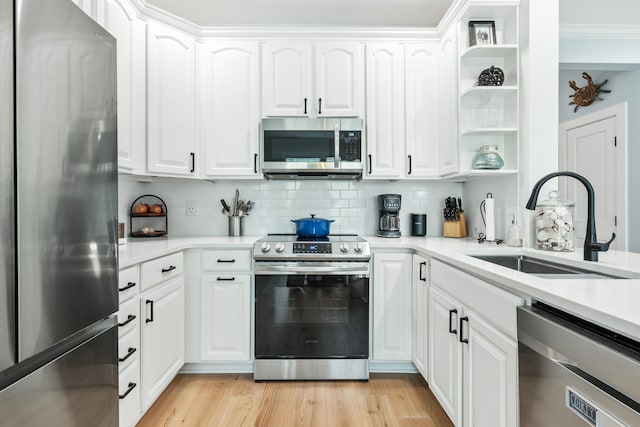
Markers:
{"x": 150, "y": 11}
{"x": 599, "y": 31}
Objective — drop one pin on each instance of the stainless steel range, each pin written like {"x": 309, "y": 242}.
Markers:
{"x": 311, "y": 308}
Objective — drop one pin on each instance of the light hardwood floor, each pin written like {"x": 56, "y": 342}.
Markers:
{"x": 232, "y": 400}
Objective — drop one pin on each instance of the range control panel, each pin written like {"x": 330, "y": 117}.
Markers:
{"x": 311, "y": 248}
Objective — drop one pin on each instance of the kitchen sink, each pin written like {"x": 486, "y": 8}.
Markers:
{"x": 543, "y": 268}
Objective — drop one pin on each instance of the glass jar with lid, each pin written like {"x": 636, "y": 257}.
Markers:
{"x": 487, "y": 158}
{"x": 554, "y": 224}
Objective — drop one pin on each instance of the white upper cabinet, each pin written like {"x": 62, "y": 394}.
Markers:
{"x": 421, "y": 111}
{"x": 171, "y": 147}
{"x": 93, "y": 8}
{"x": 339, "y": 79}
{"x": 286, "y": 84}
{"x": 447, "y": 103}
{"x": 385, "y": 110}
{"x": 228, "y": 101}
{"x": 121, "y": 21}
{"x": 307, "y": 79}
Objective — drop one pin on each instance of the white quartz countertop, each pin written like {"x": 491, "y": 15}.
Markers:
{"x": 609, "y": 302}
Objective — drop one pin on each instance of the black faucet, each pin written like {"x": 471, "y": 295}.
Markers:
{"x": 591, "y": 245}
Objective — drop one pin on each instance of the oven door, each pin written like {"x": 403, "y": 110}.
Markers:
{"x": 312, "y": 310}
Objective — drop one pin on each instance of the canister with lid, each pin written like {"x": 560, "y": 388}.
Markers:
{"x": 554, "y": 224}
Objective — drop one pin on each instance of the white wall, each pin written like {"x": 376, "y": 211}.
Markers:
{"x": 625, "y": 87}
{"x": 352, "y": 204}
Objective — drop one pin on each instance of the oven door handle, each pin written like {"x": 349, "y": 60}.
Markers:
{"x": 311, "y": 269}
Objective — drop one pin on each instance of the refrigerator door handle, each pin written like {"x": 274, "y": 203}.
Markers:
{"x": 149, "y": 320}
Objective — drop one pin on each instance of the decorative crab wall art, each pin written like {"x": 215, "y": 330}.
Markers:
{"x": 585, "y": 96}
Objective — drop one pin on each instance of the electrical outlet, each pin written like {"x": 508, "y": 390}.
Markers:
{"x": 192, "y": 208}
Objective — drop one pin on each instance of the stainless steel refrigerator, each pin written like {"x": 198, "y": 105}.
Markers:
{"x": 58, "y": 217}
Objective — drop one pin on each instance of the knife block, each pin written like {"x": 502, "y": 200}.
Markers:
{"x": 456, "y": 228}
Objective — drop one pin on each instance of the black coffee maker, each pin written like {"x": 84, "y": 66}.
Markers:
{"x": 389, "y": 221}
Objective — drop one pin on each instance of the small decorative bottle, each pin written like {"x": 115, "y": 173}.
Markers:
{"x": 514, "y": 237}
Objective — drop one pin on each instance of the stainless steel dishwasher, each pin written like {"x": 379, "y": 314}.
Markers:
{"x": 575, "y": 373}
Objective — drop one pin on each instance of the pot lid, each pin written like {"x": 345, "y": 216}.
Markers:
{"x": 313, "y": 218}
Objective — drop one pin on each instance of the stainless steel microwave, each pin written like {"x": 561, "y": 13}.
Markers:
{"x": 302, "y": 148}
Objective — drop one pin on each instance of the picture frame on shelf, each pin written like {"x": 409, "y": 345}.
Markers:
{"x": 482, "y": 33}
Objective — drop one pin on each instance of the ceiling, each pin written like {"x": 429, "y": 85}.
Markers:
{"x": 594, "y": 12}
{"x": 387, "y": 13}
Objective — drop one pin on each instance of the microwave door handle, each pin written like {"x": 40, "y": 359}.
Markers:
{"x": 336, "y": 140}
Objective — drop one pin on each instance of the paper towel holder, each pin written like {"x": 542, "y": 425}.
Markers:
{"x": 483, "y": 213}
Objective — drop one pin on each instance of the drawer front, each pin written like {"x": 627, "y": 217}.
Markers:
{"x": 128, "y": 283}
{"x": 128, "y": 317}
{"x": 497, "y": 306}
{"x": 128, "y": 349}
{"x": 226, "y": 260}
{"x": 129, "y": 394}
{"x": 162, "y": 269}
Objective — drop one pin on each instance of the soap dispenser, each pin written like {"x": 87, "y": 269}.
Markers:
{"x": 514, "y": 237}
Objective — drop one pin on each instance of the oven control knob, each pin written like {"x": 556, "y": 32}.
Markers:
{"x": 344, "y": 247}
{"x": 357, "y": 247}
{"x": 265, "y": 247}
{"x": 279, "y": 247}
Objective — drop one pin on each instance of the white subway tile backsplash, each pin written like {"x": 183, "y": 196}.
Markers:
{"x": 353, "y": 205}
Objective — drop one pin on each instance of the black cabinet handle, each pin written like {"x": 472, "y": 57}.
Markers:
{"x": 370, "y": 164}
{"x": 255, "y": 163}
{"x": 227, "y": 260}
{"x": 226, "y": 279}
{"x": 305, "y": 105}
{"x": 151, "y": 319}
{"x": 423, "y": 278}
{"x": 130, "y": 352}
{"x": 451, "y": 330}
{"x": 129, "y": 286}
{"x": 193, "y": 162}
{"x": 319, "y": 105}
{"x": 464, "y": 340}
{"x": 171, "y": 268}
{"x": 409, "y": 173}
{"x": 129, "y": 390}
{"x": 130, "y": 318}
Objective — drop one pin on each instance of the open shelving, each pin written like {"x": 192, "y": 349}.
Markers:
{"x": 488, "y": 115}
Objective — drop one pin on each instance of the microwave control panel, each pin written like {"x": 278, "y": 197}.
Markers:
{"x": 350, "y": 145}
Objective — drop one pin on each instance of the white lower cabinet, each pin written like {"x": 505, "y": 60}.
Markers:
{"x": 129, "y": 394}
{"x": 129, "y": 347}
{"x": 162, "y": 337}
{"x": 392, "y": 307}
{"x": 472, "y": 348}
{"x": 419, "y": 312}
{"x": 226, "y": 317}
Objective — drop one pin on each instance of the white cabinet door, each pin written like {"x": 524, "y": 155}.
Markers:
{"x": 228, "y": 99}
{"x": 420, "y": 310}
{"x": 421, "y": 112}
{"x": 286, "y": 85}
{"x": 445, "y": 355}
{"x": 171, "y": 101}
{"x": 226, "y": 317}
{"x": 385, "y": 110}
{"x": 121, "y": 21}
{"x": 392, "y": 307}
{"x": 448, "y": 104}
{"x": 339, "y": 79}
{"x": 490, "y": 375}
{"x": 162, "y": 338}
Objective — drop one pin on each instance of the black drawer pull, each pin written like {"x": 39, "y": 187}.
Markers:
{"x": 151, "y": 319}
{"x": 409, "y": 173}
{"x": 451, "y": 330}
{"x": 129, "y": 390}
{"x": 130, "y": 352}
{"x": 226, "y": 279}
{"x": 130, "y": 318}
{"x": 423, "y": 266}
{"x": 171, "y": 268}
{"x": 193, "y": 163}
{"x": 464, "y": 340}
{"x": 255, "y": 163}
{"x": 129, "y": 286}
{"x": 227, "y": 260}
